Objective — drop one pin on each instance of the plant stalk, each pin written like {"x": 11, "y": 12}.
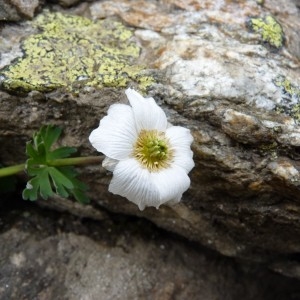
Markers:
{"x": 70, "y": 161}
{"x": 8, "y": 171}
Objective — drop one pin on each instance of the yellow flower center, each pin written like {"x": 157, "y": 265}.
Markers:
{"x": 152, "y": 150}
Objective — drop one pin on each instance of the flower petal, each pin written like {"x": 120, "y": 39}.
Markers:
{"x": 132, "y": 181}
{"x": 180, "y": 139}
{"x": 148, "y": 115}
{"x": 116, "y": 133}
{"x": 171, "y": 183}
{"x": 109, "y": 163}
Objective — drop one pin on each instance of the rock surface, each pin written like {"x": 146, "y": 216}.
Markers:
{"x": 215, "y": 73}
{"x": 46, "y": 255}
{"x": 16, "y": 10}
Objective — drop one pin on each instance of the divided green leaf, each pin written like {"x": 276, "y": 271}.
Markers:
{"x": 48, "y": 179}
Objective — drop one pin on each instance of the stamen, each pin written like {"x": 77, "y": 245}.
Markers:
{"x": 153, "y": 150}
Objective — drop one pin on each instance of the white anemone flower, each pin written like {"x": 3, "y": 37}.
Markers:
{"x": 149, "y": 158}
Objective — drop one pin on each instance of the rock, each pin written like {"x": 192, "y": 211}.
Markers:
{"x": 66, "y": 3}
{"x": 103, "y": 46}
{"x": 47, "y": 255}
{"x": 16, "y": 10}
{"x": 210, "y": 72}
{"x": 280, "y": 8}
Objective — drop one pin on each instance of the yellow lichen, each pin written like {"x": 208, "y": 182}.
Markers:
{"x": 269, "y": 29}
{"x": 72, "y": 50}
{"x": 287, "y": 86}
{"x": 291, "y": 95}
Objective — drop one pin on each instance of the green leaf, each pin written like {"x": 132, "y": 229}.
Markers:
{"x": 31, "y": 190}
{"x": 61, "y": 190}
{"x": 50, "y": 135}
{"x": 47, "y": 179}
{"x": 45, "y": 185}
{"x": 34, "y": 167}
{"x": 60, "y": 178}
{"x": 80, "y": 196}
{"x": 61, "y": 152}
{"x": 80, "y": 188}
{"x": 31, "y": 151}
{"x": 69, "y": 171}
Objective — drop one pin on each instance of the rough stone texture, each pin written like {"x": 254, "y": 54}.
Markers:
{"x": 66, "y": 51}
{"x": 46, "y": 255}
{"x": 16, "y": 10}
{"x": 66, "y": 3}
{"x": 237, "y": 93}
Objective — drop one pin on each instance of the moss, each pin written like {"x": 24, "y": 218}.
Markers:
{"x": 71, "y": 52}
{"x": 270, "y": 30}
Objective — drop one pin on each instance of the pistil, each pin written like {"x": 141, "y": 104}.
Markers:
{"x": 152, "y": 150}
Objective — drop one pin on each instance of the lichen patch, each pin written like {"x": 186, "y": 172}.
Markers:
{"x": 269, "y": 29}
{"x": 290, "y": 93}
{"x": 72, "y": 52}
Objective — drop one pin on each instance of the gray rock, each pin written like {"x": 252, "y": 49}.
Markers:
{"x": 47, "y": 255}
{"x": 232, "y": 85}
{"x": 18, "y": 9}
{"x": 66, "y": 3}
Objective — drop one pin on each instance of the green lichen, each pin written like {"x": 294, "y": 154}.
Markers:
{"x": 287, "y": 86}
{"x": 270, "y": 30}
{"x": 295, "y": 112}
{"x": 291, "y": 95}
{"x": 71, "y": 52}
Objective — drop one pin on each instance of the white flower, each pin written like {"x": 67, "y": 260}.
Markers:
{"x": 149, "y": 157}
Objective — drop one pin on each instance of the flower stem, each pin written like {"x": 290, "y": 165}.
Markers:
{"x": 70, "y": 161}
{"x": 12, "y": 170}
